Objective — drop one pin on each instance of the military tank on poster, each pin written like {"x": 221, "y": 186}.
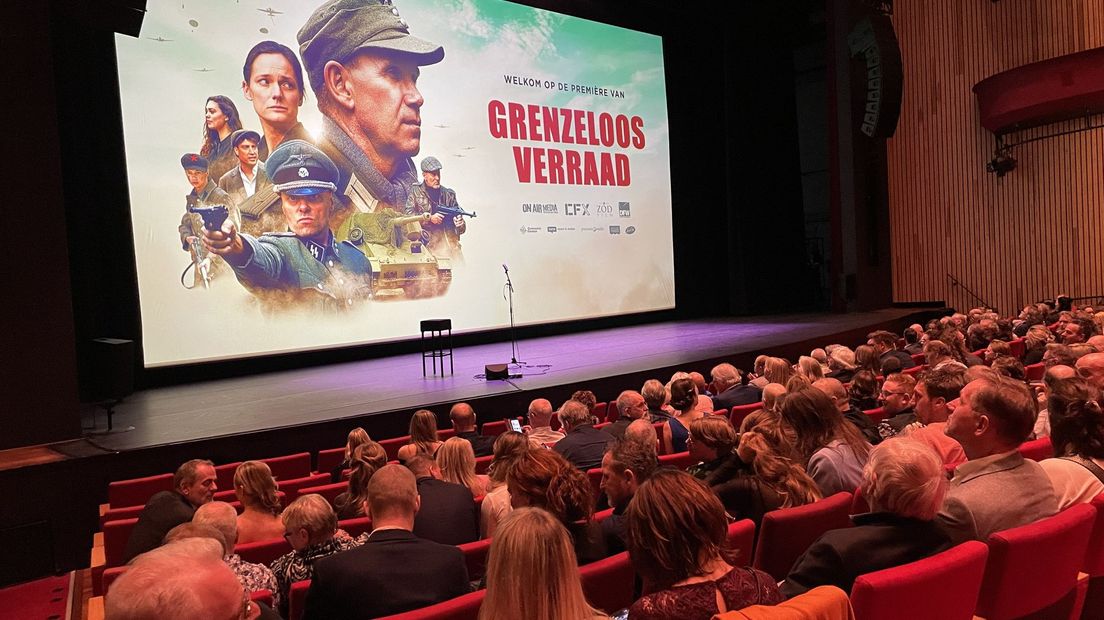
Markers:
{"x": 402, "y": 266}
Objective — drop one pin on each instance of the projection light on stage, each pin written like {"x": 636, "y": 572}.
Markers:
{"x": 1002, "y": 163}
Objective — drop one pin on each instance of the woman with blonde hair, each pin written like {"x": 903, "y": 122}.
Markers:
{"x": 508, "y": 447}
{"x": 809, "y": 368}
{"x": 532, "y": 546}
{"x": 456, "y": 460}
{"x": 368, "y": 458}
{"x": 255, "y": 488}
{"x": 423, "y": 436}
{"x": 1035, "y": 342}
{"x": 356, "y": 437}
{"x": 777, "y": 370}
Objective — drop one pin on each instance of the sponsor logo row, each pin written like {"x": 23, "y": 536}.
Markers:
{"x": 598, "y": 209}
{"x": 613, "y": 230}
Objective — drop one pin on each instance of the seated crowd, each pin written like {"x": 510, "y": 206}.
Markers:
{"x": 927, "y": 428}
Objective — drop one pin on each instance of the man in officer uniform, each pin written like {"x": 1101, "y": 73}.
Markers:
{"x": 242, "y": 181}
{"x": 204, "y": 194}
{"x": 363, "y": 65}
{"x": 444, "y": 231}
{"x": 306, "y": 264}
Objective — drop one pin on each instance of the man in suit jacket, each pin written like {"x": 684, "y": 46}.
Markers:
{"x": 194, "y": 484}
{"x": 244, "y": 180}
{"x": 584, "y": 445}
{"x": 730, "y": 389}
{"x": 996, "y": 489}
{"x": 463, "y": 422}
{"x": 395, "y": 571}
{"x": 448, "y": 514}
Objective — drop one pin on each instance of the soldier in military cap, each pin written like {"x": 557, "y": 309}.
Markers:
{"x": 204, "y": 194}
{"x": 243, "y": 180}
{"x": 444, "y": 232}
{"x": 305, "y": 264}
{"x": 363, "y": 66}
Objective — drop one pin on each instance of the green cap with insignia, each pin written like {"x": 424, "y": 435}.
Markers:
{"x": 301, "y": 169}
{"x": 339, "y": 28}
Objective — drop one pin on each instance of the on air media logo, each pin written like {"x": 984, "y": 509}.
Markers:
{"x": 623, "y": 209}
{"x": 630, "y": 230}
{"x": 615, "y": 230}
{"x": 549, "y": 208}
{"x": 577, "y": 208}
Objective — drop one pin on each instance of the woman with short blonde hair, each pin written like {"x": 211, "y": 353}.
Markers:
{"x": 810, "y": 368}
{"x": 456, "y": 459}
{"x": 533, "y": 547}
{"x": 255, "y": 488}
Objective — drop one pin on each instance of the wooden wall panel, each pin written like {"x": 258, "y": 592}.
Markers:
{"x": 1028, "y": 236}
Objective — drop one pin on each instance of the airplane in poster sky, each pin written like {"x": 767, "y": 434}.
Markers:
{"x": 271, "y": 12}
{"x": 159, "y": 39}
{"x": 203, "y": 70}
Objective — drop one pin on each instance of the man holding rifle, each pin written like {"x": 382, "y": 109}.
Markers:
{"x": 445, "y": 225}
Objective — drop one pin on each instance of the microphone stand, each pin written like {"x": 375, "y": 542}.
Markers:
{"x": 513, "y": 334}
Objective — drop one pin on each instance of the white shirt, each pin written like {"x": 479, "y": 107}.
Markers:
{"x": 250, "y": 184}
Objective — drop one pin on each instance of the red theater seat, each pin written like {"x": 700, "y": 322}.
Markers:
{"x": 877, "y": 415}
{"x": 297, "y": 599}
{"x": 460, "y": 608}
{"x": 1034, "y": 567}
{"x": 944, "y": 586}
{"x": 919, "y": 358}
{"x": 494, "y": 428}
{"x": 116, "y": 535}
{"x": 475, "y": 556}
{"x": 290, "y": 467}
{"x": 659, "y": 438}
{"x": 601, "y": 411}
{"x": 741, "y": 540}
{"x": 110, "y": 575}
{"x": 603, "y": 515}
{"x": 595, "y": 477}
{"x": 329, "y": 459}
{"x": 858, "y": 503}
{"x": 680, "y": 460}
{"x": 329, "y": 491}
{"x": 120, "y": 514}
{"x": 261, "y": 596}
{"x": 445, "y": 433}
{"x": 1094, "y": 563}
{"x": 224, "y": 475}
{"x": 739, "y": 412}
{"x": 356, "y": 527}
{"x": 137, "y": 491}
{"x": 291, "y": 488}
{"x": 1034, "y": 372}
{"x": 391, "y": 446}
{"x": 1037, "y": 449}
{"x": 483, "y": 463}
{"x": 785, "y": 534}
{"x": 608, "y": 583}
{"x": 263, "y": 551}
{"x": 1018, "y": 347}
{"x": 915, "y": 370}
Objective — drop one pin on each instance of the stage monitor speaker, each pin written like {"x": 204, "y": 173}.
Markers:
{"x": 877, "y": 75}
{"x": 499, "y": 372}
{"x": 112, "y": 369}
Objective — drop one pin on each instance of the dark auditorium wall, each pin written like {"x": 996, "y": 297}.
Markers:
{"x": 1035, "y": 232}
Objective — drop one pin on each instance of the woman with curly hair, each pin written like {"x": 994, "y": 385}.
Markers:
{"x": 423, "y": 436}
{"x": 1077, "y": 434}
{"x": 356, "y": 437}
{"x": 220, "y": 119}
{"x": 368, "y": 458}
{"x": 684, "y": 400}
{"x": 255, "y": 488}
{"x": 544, "y": 479}
{"x": 508, "y": 448}
{"x": 864, "y": 391}
{"x": 456, "y": 460}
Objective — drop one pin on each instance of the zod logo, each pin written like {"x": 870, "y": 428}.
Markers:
{"x": 603, "y": 209}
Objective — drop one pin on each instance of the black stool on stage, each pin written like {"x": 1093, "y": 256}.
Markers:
{"x": 434, "y": 346}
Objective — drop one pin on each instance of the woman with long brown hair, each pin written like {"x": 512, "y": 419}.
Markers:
{"x": 784, "y": 483}
{"x": 676, "y": 532}
{"x": 255, "y": 488}
{"x": 220, "y": 119}
{"x": 508, "y": 447}
{"x": 423, "y": 436}
{"x": 866, "y": 358}
{"x": 832, "y": 450}
{"x": 533, "y": 547}
{"x": 368, "y": 458}
{"x": 544, "y": 479}
{"x": 356, "y": 437}
{"x": 1077, "y": 433}
{"x": 456, "y": 460}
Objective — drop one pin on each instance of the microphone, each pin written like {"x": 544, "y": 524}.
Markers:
{"x": 505, "y": 268}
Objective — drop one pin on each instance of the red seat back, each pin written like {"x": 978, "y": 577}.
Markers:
{"x": 608, "y": 583}
{"x": 785, "y": 534}
{"x": 609, "y": 411}
{"x": 859, "y": 504}
{"x": 483, "y": 463}
{"x": 291, "y": 488}
{"x": 460, "y": 608}
{"x": 595, "y": 477}
{"x": 391, "y": 446}
{"x": 494, "y": 428}
{"x": 116, "y": 535}
{"x": 1034, "y": 372}
{"x": 660, "y": 448}
{"x": 224, "y": 476}
{"x": 119, "y": 514}
{"x": 919, "y": 358}
{"x": 290, "y": 467}
{"x": 915, "y": 370}
{"x": 137, "y": 491}
{"x": 110, "y": 575}
{"x": 877, "y": 415}
{"x": 680, "y": 460}
{"x": 739, "y": 412}
{"x": 602, "y": 515}
{"x": 356, "y": 527}
{"x": 475, "y": 556}
{"x": 1034, "y": 566}
{"x": 1037, "y": 449}
{"x": 445, "y": 433}
{"x": 297, "y": 599}
{"x": 1094, "y": 558}
{"x": 741, "y": 540}
{"x": 329, "y": 491}
{"x": 943, "y": 586}
{"x": 1018, "y": 347}
{"x": 262, "y": 596}
{"x": 263, "y": 551}
{"x": 328, "y": 459}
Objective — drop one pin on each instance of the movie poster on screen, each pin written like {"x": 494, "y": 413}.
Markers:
{"x": 547, "y": 135}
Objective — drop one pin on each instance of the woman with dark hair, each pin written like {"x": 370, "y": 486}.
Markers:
{"x": 864, "y": 391}
{"x": 544, "y": 479}
{"x": 684, "y": 400}
{"x": 676, "y": 533}
{"x": 866, "y": 358}
{"x": 423, "y": 436}
{"x": 1077, "y": 434}
{"x": 832, "y": 449}
{"x": 255, "y": 488}
{"x": 508, "y": 447}
{"x": 368, "y": 458}
{"x": 220, "y": 119}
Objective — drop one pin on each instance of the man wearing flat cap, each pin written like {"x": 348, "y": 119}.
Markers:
{"x": 243, "y": 181}
{"x": 444, "y": 231}
{"x": 204, "y": 194}
{"x": 306, "y": 264}
{"x": 363, "y": 66}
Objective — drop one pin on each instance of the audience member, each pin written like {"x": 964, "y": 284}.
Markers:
{"x": 423, "y": 436}
{"x": 712, "y": 445}
{"x": 463, "y": 420}
{"x": 773, "y": 395}
{"x": 544, "y": 479}
{"x": 310, "y": 525}
{"x": 1052, "y": 377}
{"x": 655, "y": 396}
{"x": 356, "y": 437}
{"x": 255, "y": 488}
{"x": 809, "y": 368}
{"x": 777, "y": 482}
{"x": 777, "y": 370}
{"x": 1056, "y": 354}
{"x": 508, "y": 447}
{"x": 626, "y": 465}
{"x": 730, "y": 389}
{"x": 540, "y": 432}
{"x": 911, "y": 336}
{"x": 1091, "y": 368}
{"x": 885, "y": 345}
{"x": 194, "y": 484}
{"x": 866, "y": 358}
{"x": 1038, "y": 336}
{"x": 996, "y": 348}
{"x": 223, "y": 518}
{"x": 532, "y": 547}
{"x": 835, "y": 390}
{"x": 1077, "y": 330}
{"x": 456, "y": 460}
{"x": 832, "y": 450}
{"x": 394, "y": 571}
{"x": 996, "y": 488}
{"x": 676, "y": 430}
{"x": 935, "y": 392}
{"x": 904, "y": 485}
{"x": 896, "y": 400}
{"x": 938, "y": 354}
{"x": 368, "y": 458}
{"x": 677, "y": 531}
{"x": 630, "y": 406}
{"x": 864, "y": 391}
{"x": 757, "y": 370}
{"x": 643, "y": 432}
{"x": 1077, "y": 432}
{"x": 821, "y": 356}
{"x": 447, "y": 513}
{"x": 1009, "y": 367}
{"x": 583, "y": 445}
{"x": 841, "y": 364}
{"x": 183, "y": 580}
{"x": 587, "y": 398}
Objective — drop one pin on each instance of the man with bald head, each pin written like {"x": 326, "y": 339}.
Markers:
{"x": 996, "y": 489}
{"x": 643, "y": 431}
{"x": 463, "y": 421}
{"x": 835, "y": 390}
{"x": 630, "y": 407}
{"x": 729, "y": 388}
{"x": 1091, "y": 368}
{"x": 540, "y": 431}
{"x": 394, "y": 571}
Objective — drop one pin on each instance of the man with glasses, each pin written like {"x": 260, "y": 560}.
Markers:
{"x": 896, "y": 400}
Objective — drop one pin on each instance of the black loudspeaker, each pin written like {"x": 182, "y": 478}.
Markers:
{"x": 497, "y": 372}
{"x": 877, "y": 77}
{"x": 112, "y": 369}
